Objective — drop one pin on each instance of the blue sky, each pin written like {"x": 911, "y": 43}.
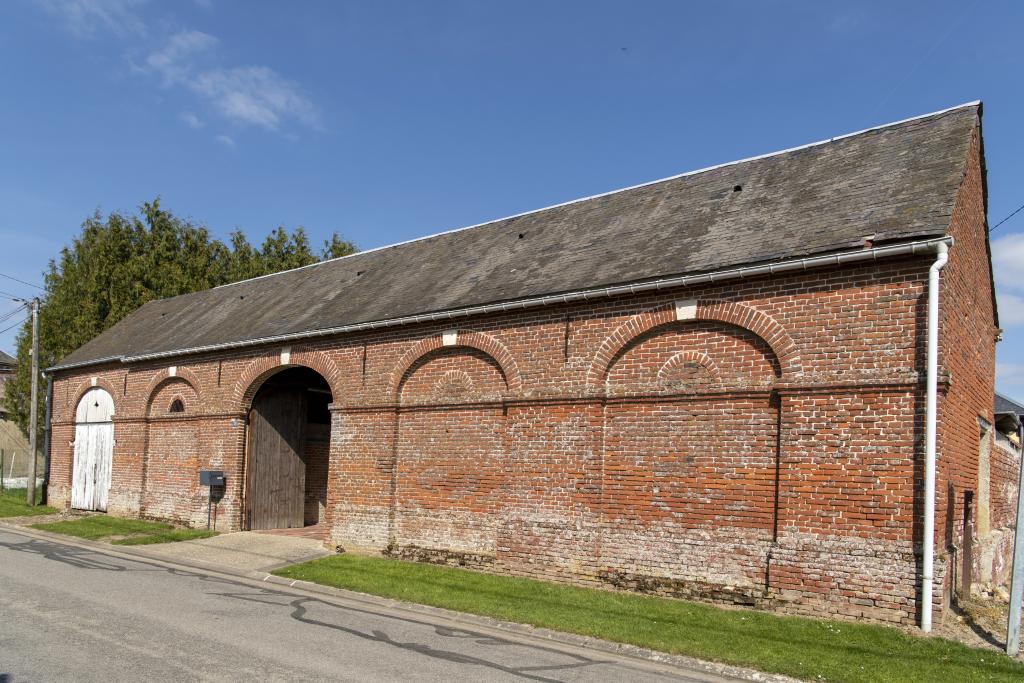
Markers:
{"x": 390, "y": 120}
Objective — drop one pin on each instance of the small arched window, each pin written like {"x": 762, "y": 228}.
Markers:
{"x": 177, "y": 406}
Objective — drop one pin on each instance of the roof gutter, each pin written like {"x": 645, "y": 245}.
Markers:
{"x": 844, "y": 258}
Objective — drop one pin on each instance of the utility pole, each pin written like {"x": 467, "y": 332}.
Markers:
{"x": 30, "y": 489}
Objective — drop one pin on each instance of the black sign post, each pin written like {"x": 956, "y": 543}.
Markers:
{"x": 209, "y": 479}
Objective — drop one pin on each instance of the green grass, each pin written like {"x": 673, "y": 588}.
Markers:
{"x": 12, "y": 504}
{"x": 170, "y": 536}
{"x": 135, "y": 531}
{"x": 804, "y": 648}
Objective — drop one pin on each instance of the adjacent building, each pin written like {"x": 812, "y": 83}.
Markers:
{"x": 14, "y": 451}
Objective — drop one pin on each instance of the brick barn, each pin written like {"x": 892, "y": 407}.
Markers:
{"x": 709, "y": 386}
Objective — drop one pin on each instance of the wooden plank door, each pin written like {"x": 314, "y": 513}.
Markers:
{"x": 103, "y": 444}
{"x": 276, "y": 476}
{"x": 80, "y": 487}
{"x": 94, "y": 451}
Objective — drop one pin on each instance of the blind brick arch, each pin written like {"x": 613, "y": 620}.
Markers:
{"x": 164, "y": 377}
{"x": 701, "y": 359}
{"x": 476, "y": 340}
{"x": 729, "y": 312}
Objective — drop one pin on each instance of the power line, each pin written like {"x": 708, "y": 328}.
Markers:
{"x": 11, "y": 313}
{"x": 1015, "y": 212}
{"x": 20, "y": 322}
{"x": 9, "y": 277}
{"x": 14, "y": 297}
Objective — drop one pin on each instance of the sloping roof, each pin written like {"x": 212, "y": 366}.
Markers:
{"x": 7, "y": 359}
{"x": 896, "y": 182}
{"x": 1007, "y": 405}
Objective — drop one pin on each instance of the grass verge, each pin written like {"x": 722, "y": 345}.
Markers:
{"x": 13, "y": 504}
{"x": 170, "y": 536}
{"x": 804, "y": 648}
{"x": 134, "y": 531}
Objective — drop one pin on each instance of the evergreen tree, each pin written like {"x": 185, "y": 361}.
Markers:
{"x": 120, "y": 262}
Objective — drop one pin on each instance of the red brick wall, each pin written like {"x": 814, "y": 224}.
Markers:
{"x": 170, "y": 483}
{"x": 451, "y": 466}
{"x": 763, "y": 452}
{"x": 967, "y": 358}
{"x": 316, "y": 455}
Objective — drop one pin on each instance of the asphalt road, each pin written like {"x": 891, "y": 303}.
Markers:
{"x": 74, "y": 614}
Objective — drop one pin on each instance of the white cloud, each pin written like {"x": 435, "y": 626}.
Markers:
{"x": 1008, "y": 260}
{"x": 86, "y": 18}
{"x": 225, "y": 140}
{"x": 249, "y": 94}
{"x": 1008, "y": 270}
{"x": 845, "y": 21}
{"x": 191, "y": 120}
{"x": 174, "y": 61}
{"x": 1011, "y": 308}
{"x": 1010, "y": 374}
{"x": 256, "y": 95}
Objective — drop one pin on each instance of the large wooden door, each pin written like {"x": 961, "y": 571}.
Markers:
{"x": 94, "y": 451}
{"x": 276, "y": 474}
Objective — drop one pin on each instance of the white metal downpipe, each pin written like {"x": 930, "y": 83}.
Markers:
{"x": 928, "y": 540}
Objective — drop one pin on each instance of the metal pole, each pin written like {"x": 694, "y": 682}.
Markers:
{"x": 33, "y": 411}
{"x": 1017, "y": 582}
{"x": 1, "y": 469}
{"x": 209, "y": 504}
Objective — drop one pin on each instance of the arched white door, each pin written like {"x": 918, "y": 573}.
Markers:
{"x": 94, "y": 450}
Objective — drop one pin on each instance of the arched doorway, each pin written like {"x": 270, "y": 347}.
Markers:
{"x": 288, "y": 451}
{"x": 94, "y": 450}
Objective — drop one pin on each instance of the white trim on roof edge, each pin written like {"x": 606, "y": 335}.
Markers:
{"x": 611, "y": 192}
{"x": 838, "y": 259}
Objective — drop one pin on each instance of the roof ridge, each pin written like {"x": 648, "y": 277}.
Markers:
{"x": 705, "y": 169}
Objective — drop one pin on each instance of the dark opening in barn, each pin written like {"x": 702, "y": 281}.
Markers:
{"x": 288, "y": 449}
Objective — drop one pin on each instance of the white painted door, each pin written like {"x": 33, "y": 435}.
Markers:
{"x": 94, "y": 450}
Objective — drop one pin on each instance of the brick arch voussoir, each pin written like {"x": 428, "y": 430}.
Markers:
{"x": 262, "y": 368}
{"x": 699, "y": 357}
{"x": 85, "y": 386}
{"x": 729, "y": 312}
{"x": 163, "y": 377}
{"x": 480, "y": 341}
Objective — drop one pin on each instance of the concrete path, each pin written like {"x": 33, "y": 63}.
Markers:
{"x": 75, "y": 610}
{"x": 247, "y": 551}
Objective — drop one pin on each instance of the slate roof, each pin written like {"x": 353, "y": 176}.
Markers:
{"x": 895, "y": 183}
{"x": 7, "y": 359}
{"x": 1008, "y": 405}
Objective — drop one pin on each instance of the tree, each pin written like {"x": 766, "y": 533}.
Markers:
{"x": 120, "y": 262}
